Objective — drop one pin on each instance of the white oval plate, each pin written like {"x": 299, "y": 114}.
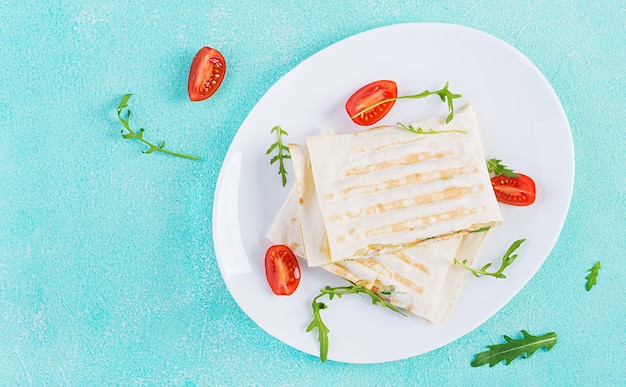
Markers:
{"x": 521, "y": 122}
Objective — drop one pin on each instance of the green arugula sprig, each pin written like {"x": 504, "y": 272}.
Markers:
{"x": 445, "y": 95}
{"x": 419, "y": 130}
{"x": 130, "y": 134}
{"x": 592, "y": 276}
{"x": 339, "y": 291}
{"x": 507, "y": 260}
{"x": 283, "y": 152}
{"x": 509, "y": 351}
{"x": 496, "y": 167}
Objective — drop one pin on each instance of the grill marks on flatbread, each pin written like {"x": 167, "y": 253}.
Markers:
{"x": 422, "y": 279}
{"x": 403, "y": 161}
{"x": 390, "y": 187}
{"x": 414, "y": 178}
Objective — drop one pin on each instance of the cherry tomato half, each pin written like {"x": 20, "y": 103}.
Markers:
{"x": 517, "y": 191}
{"x": 282, "y": 270}
{"x": 206, "y": 74}
{"x": 367, "y": 96}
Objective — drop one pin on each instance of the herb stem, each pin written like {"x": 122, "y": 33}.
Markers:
{"x": 139, "y": 135}
{"x": 282, "y": 154}
{"x": 444, "y": 94}
{"x": 322, "y": 329}
{"x": 507, "y": 260}
{"x": 419, "y": 130}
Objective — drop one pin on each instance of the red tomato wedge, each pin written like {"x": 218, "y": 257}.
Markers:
{"x": 282, "y": 270}
{"x": 206, "y": 74}
{"x": 517, "y": 191}
{"x": 369, "y": 95}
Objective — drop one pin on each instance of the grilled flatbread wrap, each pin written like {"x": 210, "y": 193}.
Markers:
{"x": 419, "y": 276}
{"x": 387, "y": 188}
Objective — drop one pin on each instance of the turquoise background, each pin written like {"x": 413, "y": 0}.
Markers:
{"x": 108, "y": 274}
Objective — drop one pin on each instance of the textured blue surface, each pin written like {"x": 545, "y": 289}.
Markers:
{"x": 107, "y": 270}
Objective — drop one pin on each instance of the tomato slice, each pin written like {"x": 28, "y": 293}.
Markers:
{"x": 517, "y": 191}
{"x": 282, "y": 270}
{"x": 369, "y": 95}
{"x": 206, "y": 74}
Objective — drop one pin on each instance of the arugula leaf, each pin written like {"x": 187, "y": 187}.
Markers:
{"x": 507, "y": 260}
{"x": 322, "y": 329}
{"x": 445, "y": 95}
{"x": 339, "y": 291}
{"x": 509, "y": 351}
{"x": 281, "y": 155}
{"x": 130, "y": 134}
{"x": 592, "y": 276}
{"x": 495, "y": 166}
{"x": 419, "y": 130}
